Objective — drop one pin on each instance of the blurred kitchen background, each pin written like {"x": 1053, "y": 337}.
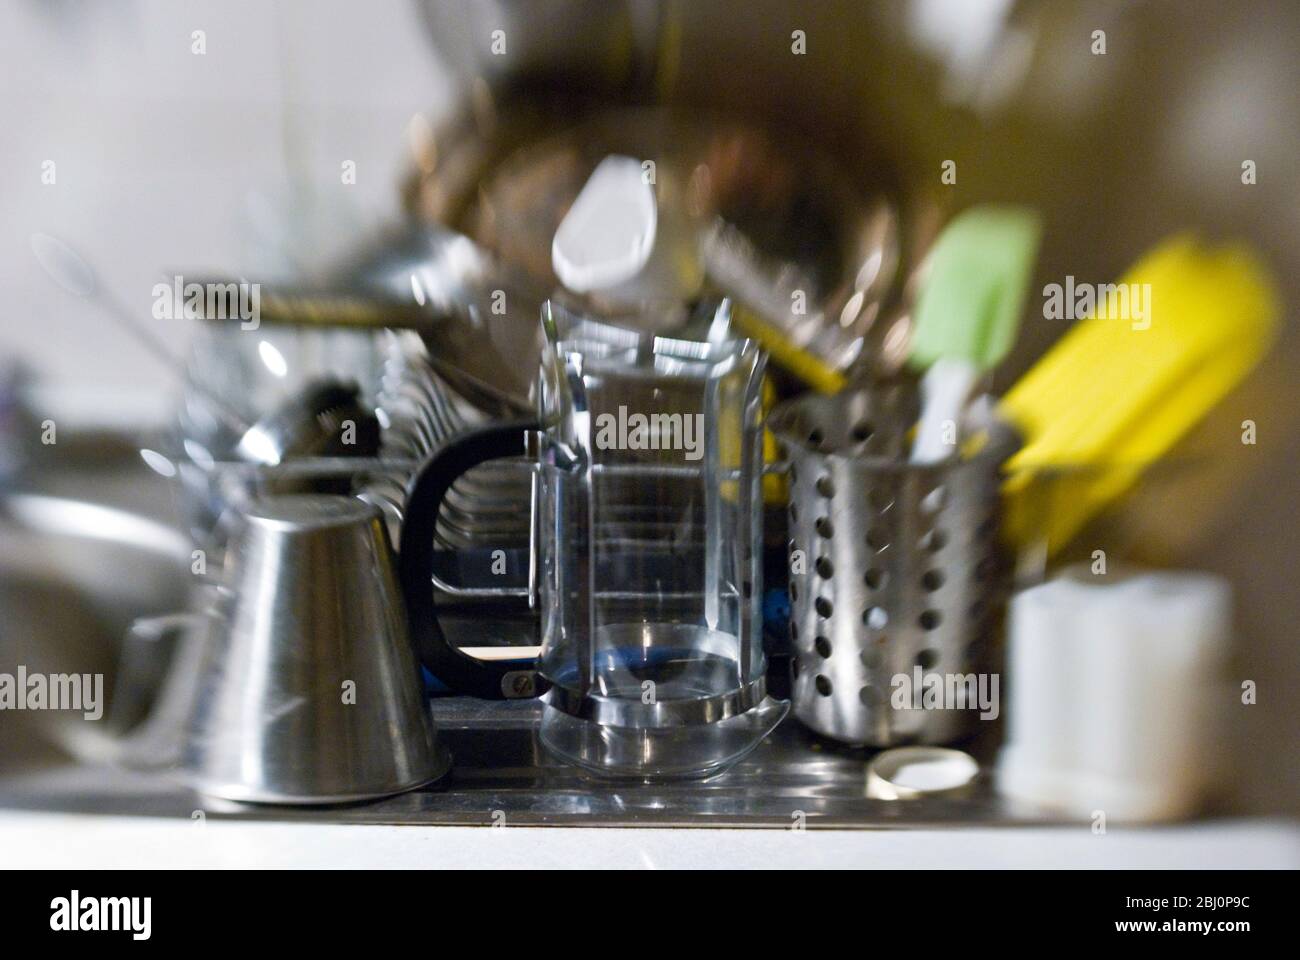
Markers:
{"x": 170, "y": 161}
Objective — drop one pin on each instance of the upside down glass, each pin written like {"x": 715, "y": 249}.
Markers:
{"x": 650, "y": 519}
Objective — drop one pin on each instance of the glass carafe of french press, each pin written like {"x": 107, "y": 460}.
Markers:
{"x": 647, "y": 546}
{"x": 650, "y": 473}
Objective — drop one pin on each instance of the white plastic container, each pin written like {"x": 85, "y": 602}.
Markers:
{"x": 1115, "y": 686}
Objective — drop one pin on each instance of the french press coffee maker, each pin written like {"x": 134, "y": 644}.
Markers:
{"x": 645, "y": 562}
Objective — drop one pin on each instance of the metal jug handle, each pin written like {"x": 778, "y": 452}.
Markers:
{"x": 486, "y": 679}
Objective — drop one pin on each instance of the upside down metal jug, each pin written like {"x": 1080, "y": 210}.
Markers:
{"x": 647, "y": 522}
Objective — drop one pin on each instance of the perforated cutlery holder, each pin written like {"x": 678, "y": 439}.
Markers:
{"x": 894, "y": 566}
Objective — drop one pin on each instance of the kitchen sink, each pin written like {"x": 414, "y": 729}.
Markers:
{"x": 76, "y": 572}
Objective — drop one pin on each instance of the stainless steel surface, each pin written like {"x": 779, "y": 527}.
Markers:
{"x": 503, "y": 775}
{"x": 309, "y": 691}
{"x": 895, "y": 568}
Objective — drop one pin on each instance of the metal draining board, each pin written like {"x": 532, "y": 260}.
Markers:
{"x": 502, "y": 776}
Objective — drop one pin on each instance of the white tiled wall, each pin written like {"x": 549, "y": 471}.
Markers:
{"x": 168, "y": 161}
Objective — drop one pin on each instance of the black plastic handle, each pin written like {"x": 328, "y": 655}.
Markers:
{"x": 488, "y": 680}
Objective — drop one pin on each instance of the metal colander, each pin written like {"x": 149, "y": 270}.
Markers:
{"x": 894, "y": 566}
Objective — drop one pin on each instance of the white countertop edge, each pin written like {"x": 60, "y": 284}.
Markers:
{"x": 76, "y": 841}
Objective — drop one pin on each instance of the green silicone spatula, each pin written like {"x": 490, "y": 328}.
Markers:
{"x": 967, "y": 314}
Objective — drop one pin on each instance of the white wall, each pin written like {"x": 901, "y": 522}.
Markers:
{"x": 167, "y": 161}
